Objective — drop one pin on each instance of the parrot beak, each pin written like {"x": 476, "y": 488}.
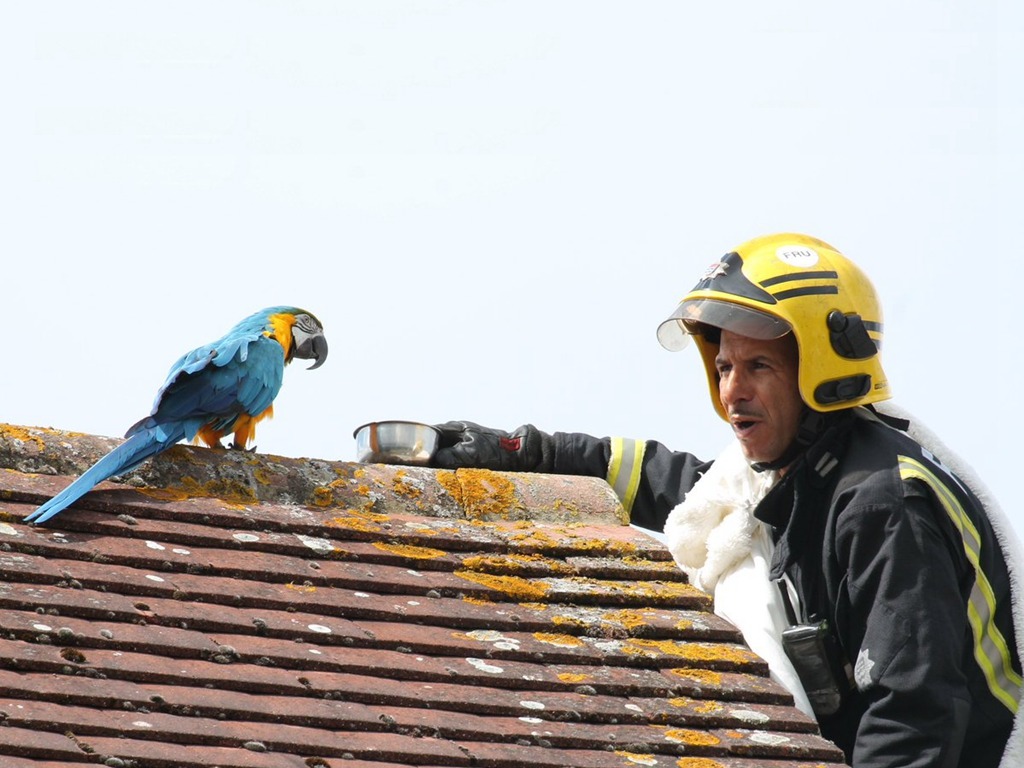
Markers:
{"x": 313, "y": 347}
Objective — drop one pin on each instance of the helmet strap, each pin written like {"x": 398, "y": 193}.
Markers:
{"x": 811, "y": 426}
{"x": 903, "y": 425}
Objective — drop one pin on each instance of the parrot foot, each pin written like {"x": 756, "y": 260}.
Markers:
{"x": 236, "y": 447}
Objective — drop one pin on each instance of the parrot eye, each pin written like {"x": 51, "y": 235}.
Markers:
{"x": 308, "y": 324}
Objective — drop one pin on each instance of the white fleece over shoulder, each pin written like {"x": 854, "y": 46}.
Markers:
{"x": 725, "y": 551}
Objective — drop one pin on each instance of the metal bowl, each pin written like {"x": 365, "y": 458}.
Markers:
{"x": 396, "y": 442}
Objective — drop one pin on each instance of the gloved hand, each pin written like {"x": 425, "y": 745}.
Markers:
{"x": 465, "y": 444}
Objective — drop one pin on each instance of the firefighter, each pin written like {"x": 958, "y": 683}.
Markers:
{"x": 869, "y": 574}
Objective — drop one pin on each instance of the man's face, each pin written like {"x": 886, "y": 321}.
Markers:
{"x": 758, "y": 389}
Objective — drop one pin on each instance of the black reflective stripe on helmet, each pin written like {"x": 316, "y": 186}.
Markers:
{"x": 804, "y": 290}
{"x": 810, "y": 290}
{"x": 820, "y": 275}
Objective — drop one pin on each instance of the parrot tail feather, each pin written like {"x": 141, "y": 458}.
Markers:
{"x": 128, "y": 455}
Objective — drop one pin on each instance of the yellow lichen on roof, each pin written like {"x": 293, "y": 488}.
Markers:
{"x": 323, "y": 496}
{"x": 618, "y": 549}
{"x": 629, "y": 619}
{"x": 690, "y": 651}
{"x": 568, "y": 621}
{"x": 562, "y": 641}
{"x": 535, "y": 537}
{"x": 640, "y": 647}
{"x": 700, "y": 706}
{"x": 498, "y": 561}
{"x": 515, "y": 563}
{"x": 534, "y": 606}
{"x": 662, "y": 589}
{"x": 23, "y": 435}
{"x": 707, "y": 707}
{"x": 354, "y": 524}
{"x": 359, "y": 520}
{"x": 403, "y": 487}
{"x": 450, "y": 482}
{"x": 567, "y": 506}
{"x": 573, "y": 677}
{"x": 408, "y": 550}
{"x": 481, "y": 492}
{"x": 713, "y": 652}
{"x": 702, "y": 676}
{"x": 609, "y": 624}
{"x": 190, "y": 488}
{"x": 659, "y": 591}
{"x": 636, "y": 758}
{"x": 692, "y": 738}
{"x": 643, "y": 562}
{"x": 698, "y": 762}
{"x": 513, "y": 586}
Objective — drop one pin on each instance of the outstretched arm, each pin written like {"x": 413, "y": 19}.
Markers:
{"x": 648, "y": 478}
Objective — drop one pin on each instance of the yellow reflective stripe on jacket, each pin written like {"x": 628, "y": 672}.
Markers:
{"x": 624, "y": 469}
{"x": 990, "y": 647}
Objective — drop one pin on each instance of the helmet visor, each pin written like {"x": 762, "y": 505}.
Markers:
{"x": 674, "y": 332}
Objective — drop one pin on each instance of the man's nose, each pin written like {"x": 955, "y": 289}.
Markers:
{"x": 733, "y": 388}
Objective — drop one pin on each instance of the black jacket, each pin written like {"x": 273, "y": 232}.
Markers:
{"x": 889, "y": 547}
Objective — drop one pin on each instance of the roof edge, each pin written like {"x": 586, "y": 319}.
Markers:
{"x": 244, "y": 477}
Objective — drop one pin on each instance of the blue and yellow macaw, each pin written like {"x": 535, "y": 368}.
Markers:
{"x": 222, "y": 388}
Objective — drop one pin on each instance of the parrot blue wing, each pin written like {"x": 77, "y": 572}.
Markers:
{"x": 223, "y": 391}
{"x": 193, "y": 391}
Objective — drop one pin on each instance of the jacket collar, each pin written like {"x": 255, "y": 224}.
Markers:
{"x": 795, "y": 508}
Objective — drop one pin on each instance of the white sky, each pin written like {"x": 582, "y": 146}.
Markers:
{"x": 491, "y": 205}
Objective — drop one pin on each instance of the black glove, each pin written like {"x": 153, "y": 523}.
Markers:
{"x": 465, "y": 444}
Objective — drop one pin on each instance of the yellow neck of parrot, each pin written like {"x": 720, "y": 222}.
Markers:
{"x": 281, "y": 331}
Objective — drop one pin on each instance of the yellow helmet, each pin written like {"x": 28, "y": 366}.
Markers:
{"x": 777, "y": 284}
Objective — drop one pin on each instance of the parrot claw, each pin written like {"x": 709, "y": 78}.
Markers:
{"x": 236, "y": 447}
